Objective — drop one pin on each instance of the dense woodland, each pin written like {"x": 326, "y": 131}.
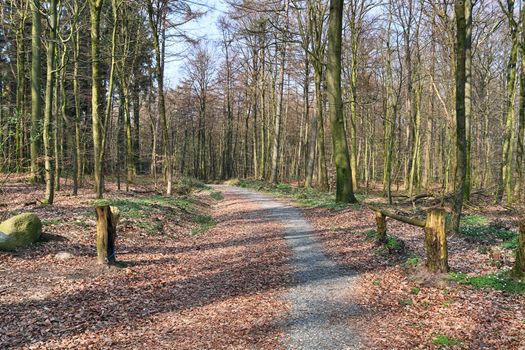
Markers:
{"x": 414, "y": 108}
{"x": 83, "y": 94}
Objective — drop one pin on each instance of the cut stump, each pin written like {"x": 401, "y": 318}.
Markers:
{"x": 106, "y": 234}
{"x": 436, "y": 241}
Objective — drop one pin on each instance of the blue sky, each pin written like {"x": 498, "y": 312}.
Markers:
{"x": 204, "y": 28}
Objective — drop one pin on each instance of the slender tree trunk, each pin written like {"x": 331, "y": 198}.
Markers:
{"x": 320, "y": 136}
{"x": 155, "y": 20}
{"x": 49, "y": 162}
{"x": 36, "y": 76}
{"x": 468, "y": 97}
{"x": 95, "y": 7}
{"x": 520, "y": 154}
{"x": 461, "y": 142}
{"x": 77, "y": 154}
{"x": 279, "y": 114}
{"x": 344, "y": 189}
{"x": 505, "y": 179}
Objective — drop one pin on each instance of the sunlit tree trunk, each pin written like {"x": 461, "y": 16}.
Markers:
{"x": 505, "y": 178}
{"x": 279, "y": 115}
{"x": 77, "y": 151}
{"x": 95, "y": 7}
{"x": 36, "y": 76}
{"x": 344, "y": 189}
{"x": 461, "y": 142}
{"x": 468, "y": 97}
{"x": 49, "y": 162}
{"x": 157, "y": 26}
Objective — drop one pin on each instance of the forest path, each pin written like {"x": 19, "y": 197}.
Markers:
{"x": 319, "y": 297}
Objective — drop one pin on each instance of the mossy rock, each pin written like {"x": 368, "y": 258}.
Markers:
{"x": 20, "y": 231}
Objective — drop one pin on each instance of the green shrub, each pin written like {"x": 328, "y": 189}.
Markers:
{"x": 415, "y": 291}
{"x": 413, "y": 261}
{"x": 216, "y": 195}
{"x": 307, "y": 197}
{"x": 405, "y": 302}
{"x": 205, "y": 223}
{"x": 444, "y": 340}
{"x": 499, "y": 281}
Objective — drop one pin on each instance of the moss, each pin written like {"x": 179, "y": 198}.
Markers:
{"x": 19, "y": 231}
{"x": 147, "y": 210}
{"x": 474, "y": 220}
{"x": 444, "y": 340}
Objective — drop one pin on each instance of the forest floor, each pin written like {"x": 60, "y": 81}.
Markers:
{"x": 210, "y": 270}
{"x": 476, "y": 306}
{"x": 195, "y": 272}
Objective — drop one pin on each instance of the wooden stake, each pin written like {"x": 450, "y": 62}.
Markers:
{"x": 436, "y": 241}
{"x": 381, "y": 227}
{"x": 106, "y": 233}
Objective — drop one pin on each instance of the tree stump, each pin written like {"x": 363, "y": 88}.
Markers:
{"x": 381, "y": 228}
{"x": 436, "y": 241}
{"x": 106, "y": 233}
{"x": 518, "y": 271}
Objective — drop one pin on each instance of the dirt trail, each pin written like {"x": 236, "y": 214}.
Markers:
{"x": 320, "y": 312}
{"x": 257, "y": 280}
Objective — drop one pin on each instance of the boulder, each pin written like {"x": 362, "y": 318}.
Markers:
{"x": 19, "y": 231}
{"x": 63, "y": 256}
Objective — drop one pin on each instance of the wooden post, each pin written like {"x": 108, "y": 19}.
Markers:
{"x": 381, "y": 227}
{"x": 436, "y": 241}
{"x": 518, "y": 270}
{"x": 106, "y": 232}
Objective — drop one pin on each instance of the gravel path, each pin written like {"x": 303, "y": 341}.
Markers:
{"x": 321, "y": 315}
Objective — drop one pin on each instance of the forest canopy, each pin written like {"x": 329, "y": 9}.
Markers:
{"x": 83, "y": 94}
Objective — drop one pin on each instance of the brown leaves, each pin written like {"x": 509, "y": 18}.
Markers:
{"x": 404, "y": 313}
{"x": 168, "y": 294}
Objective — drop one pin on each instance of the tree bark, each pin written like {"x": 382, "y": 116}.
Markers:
{"x": 49, "y": 161}
{"x": 106, "y": 234}
{"x": 95, "y": 7}
{"x": 36, "y": 76}
{"x": 436, "y": 240}
{"x": 344, "y": 189}
{"x": 461, "y": 142}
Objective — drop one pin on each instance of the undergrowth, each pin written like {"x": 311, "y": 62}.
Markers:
{"x": 307, "y": 197}
{"x": 146, "y": 211}
{"x": 500, "y": 281}
{"x": 444, "y": 340}
{"x": 205, "y": 223}
{"x": 479, "y": 229}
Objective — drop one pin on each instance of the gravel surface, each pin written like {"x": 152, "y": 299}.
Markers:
{"x": 321, "y": 314}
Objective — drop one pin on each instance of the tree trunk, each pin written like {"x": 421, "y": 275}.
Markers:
{"x": 461, "y": 142}
{"x": 344, "y": 189}
{"x": 505, "y": 179}
{"x": 520, "y": 154}
{"x": 159, "y": 70}
{"x": 279, "y": 114}
{"x": 36, "y": 76}
{"x": 95, "y": 7}
{"x": 49, "y": 162}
